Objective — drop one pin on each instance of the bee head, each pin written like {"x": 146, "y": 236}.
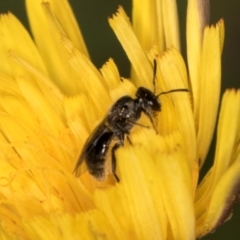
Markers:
{"x": 147, "y": 100}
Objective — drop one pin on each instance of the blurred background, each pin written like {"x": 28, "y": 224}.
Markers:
{"x": 102, "y": 44}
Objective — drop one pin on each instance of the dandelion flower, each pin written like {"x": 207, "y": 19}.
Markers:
{"x": 52, "y": 97}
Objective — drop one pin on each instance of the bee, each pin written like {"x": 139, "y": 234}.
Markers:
{"x": 115, "y": 127}
{"x": 118, "y": 123}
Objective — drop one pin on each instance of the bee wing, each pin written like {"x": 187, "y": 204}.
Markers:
{"x": 90, "y": 143}
{"x": 80, "y": 167}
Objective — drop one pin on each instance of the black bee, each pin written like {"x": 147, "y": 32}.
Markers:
{"x": 118, "y": 123}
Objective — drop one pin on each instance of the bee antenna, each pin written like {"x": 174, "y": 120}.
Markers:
{"x": 154, "y": 74}
{"x": 174, "y": 90}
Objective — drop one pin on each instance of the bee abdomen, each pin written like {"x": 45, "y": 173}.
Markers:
{"x": 97, "y": 167}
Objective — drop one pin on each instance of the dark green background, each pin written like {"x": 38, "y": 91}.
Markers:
{"x": 102, "y": 44}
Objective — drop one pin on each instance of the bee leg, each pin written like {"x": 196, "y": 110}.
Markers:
{"x": 123, "y": 130}
{"x": 129, "y": 140}
{"x": 151, "y": 120}
{"x": 114, "y": 161}
{"x": 121, "y": 136}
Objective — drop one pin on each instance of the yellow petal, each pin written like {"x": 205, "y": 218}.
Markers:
{"x": 34, "y": 228}
{"x": 90, "y": 225}
{"x": 225, "y": 159}
{"x": 11, "y": 105}
{"x": 13, "y": 37}
{"x": 175, "y": 77}
{"x": 195, "y": 25}
{"x": 25, "y": 61}
{"x": 229, "y": 116}
{"x": 162, "y": 16}
{"x": 75, "y": 108}
{"x": 8, "y": 228}
{"x": 224, "y": 196}
{"x": 110, "y": 74}
{"x": 49, "y": 89}
{"x": 65, "y": 16}
{"x": 147, "y": 190}
{"x": 8, "y": 85}
{"x": 117, "y": 85}
{"x": 209, "y": 89}
{"x": 170, "y": 22}
{"x": 49, "y": 123}
{"x": 176, "y": 180}
{"x": 91, "y": 81}
{"x": 151, "y": 16}
{"x": 139, "y": 212}
{"x": 45, "y": 23}
{"x": 42, "y": 109}
{"x": 124, "y": 32}
{"x": 19, "y": 133}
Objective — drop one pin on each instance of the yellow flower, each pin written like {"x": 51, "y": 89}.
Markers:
{"x": 52, "y": 97}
